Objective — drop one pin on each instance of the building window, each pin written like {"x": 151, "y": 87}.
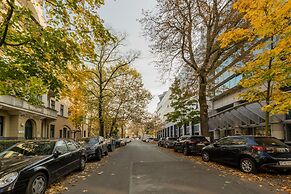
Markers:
{"x": 84, "y": 133}
{"x": 53, "y": 104}
{"x": 1, "y": 125}
{"x": 61, "y": 134}
{"x": 52, "y": 131}
{"x": 68, "y": 135}
{"x": 62, "y": 110}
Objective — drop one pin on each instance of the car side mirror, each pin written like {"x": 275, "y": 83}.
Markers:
{"x": 57, "y": 153}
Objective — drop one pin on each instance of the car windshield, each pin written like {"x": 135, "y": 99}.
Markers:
{"x": 268, "y": 141}
{"x": 30, "y": 148}
{"x": 172, "y": 138}
{"x": 89, "y": 141}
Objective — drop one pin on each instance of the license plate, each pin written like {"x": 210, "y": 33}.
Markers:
{"x": 285, "y": 163}
{"x": 282, "y": 150}
{"x": 200, "y": 144}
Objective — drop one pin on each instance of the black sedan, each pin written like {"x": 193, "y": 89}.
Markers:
{"x": 96, "y": 147}
{"x": 161, "y": 141}
{"x": 190, "y": 144}
{"x": 250, "y": 153}
{"x": 28, "y": 167}
{"x": 169, "y": 142}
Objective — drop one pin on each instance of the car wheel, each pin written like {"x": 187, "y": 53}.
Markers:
{"x": 247, "y": 165}
{"x": 37, "y": 184}
{"x": 205, "y": 156}
{"x": 175, "y": 149}
{"x": 98, "y": 155}
{"x": 106, "y": 152}
{"x": 185, "y": 151}
{"x": 82, "y": 163}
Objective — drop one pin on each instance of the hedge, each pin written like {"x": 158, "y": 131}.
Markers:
{"x": 4, "y": 144}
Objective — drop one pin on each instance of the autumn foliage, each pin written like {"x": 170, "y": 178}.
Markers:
{"x": 270, "y": 63}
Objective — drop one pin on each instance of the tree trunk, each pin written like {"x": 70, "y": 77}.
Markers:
{"x": 267, "y": 123}
{"x": 203, "y": 106}
{"x": 112, "y": 127}
{"x": 100, "y": 115}
{"x": 89, "y": 127}
{"x": 268, "y": 95}
{"x": 122, "y": 131}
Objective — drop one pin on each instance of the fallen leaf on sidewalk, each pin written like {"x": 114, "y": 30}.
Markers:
{"x": 85, "y": 191}
{"x": 99, "y": 173}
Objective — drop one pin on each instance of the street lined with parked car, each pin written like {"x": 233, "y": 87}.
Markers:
{"x": 30, "y": 166}
{"x": 142, "y": 168}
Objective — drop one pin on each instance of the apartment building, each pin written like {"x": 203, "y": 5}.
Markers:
{"x": 230, "y": 115}
{"x": 164, "y": 107}
{"x": 21, "y": 120}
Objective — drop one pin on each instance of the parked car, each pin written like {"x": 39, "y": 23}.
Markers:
{"x": 127, "y": 140}
{"x": 30, "y": 166}
{"x": 250, "y": 153}
{"x": 161, "y": 142}
{"x": 96, "y": 147}
{"x": 150, "y": 139}
{"x": 190, "y": 144}
{"x": 111, "y": 144}
{"x": 122, "y": 142}
{"x": 169, "y": 142}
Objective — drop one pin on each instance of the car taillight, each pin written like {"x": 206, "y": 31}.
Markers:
{"x": 258, "y": 148}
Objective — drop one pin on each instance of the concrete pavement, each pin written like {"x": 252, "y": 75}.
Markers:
{"x": 141, "y": 168}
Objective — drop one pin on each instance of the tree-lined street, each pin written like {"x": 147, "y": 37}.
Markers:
{"x": 147, "y": 96}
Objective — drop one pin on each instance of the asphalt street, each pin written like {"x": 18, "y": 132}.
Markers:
{"x": 141, "y": 168}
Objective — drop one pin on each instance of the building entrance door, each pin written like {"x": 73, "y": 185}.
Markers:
{"x": 28, "y": 129}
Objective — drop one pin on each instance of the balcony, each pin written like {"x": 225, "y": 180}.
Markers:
{"x": 14, "y": 104}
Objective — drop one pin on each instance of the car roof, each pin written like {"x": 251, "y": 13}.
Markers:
{"x": 251, "y": 136}
{"x": 39, "y": 140}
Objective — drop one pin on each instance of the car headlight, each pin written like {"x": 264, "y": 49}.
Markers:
{"x": 8, "y": 179}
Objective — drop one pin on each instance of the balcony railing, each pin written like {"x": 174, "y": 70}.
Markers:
{"x": 13, "y": 103}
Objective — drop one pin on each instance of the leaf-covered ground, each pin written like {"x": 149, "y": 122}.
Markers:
{"x": 74, "y": 178}
{"x": 280, "y": 181}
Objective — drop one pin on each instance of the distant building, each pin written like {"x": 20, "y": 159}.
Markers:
{"x": 164, "y": 106}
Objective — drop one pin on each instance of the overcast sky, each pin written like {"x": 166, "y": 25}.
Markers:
{"x": 122, "y": 16}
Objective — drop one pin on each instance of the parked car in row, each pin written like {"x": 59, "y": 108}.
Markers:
{"x": 250, "y": 153}
{"x": 30, "y": 166}
{"x": 127, "y": 140}
{"x": 190, "y": 144}
{"x": 169, "y": 142}
{"x": 96, "y": 147}
{"x": 120, "y": 142}
{"x": 161, "y": 142}
{"x": 150, "y": 139}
